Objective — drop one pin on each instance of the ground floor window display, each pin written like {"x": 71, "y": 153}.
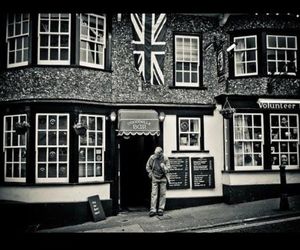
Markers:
{"x": 14, "y": 149}
{"x": 284, "y": 139}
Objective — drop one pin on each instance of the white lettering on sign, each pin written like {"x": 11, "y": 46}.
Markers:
{"x": 139, "y": 124}
{"x": 277, "y": 105}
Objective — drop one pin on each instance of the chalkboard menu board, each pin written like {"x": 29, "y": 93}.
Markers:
{"x": 96, "y": 208}
{"x": 179, "y": 174}
{"x": 203, "y": 173}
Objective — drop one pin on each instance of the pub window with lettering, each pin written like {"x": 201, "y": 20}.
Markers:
{"x": 52, "y": 148}
{"x": 248, "y": 141}
{"x": 15, "y": 146}
{"x": 189, "y": 133}
{"x": 284, "y": 133}
{"x": 91, "y": 148}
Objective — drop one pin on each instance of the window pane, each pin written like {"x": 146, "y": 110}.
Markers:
{"x": 98, "y": 169}
{"x": 41, "y": 170}
{"x": 251, "y": 67}
{"x": 63, "y": 122}
{"x": 52, "y": 154}
{"x": 54, "y": 40}
{"x": 272, "y": 41}
{"x": 54, "y": 26}
{"x": 52, "y": 171}
{"x": 41, "y": 138}
{"x": 91, "y": 154}
{"x": 42, "y": 154}
{"x": 240, "y": 68}
{"x": 44, "y": 40}
{"x": 82, "y": 170}
{"x": 52, "y": 138}
{"x": 64, "y": 54}
{"x": 82, "y": 156}
{"x": 251, "y": 55}
{"x": 99, "y": 123}
{"x": 62, "y": 170}
{"x": 64, "y": 26}
{"x": 42, "y": 122}
{"x": 280, "y": 55}
{"x": 240, "y": 43}
{"x": 178, "y": 76}
{"x": 271, "y": 67}
{"x": 281, "y": 42}
{"x": 90, "y": 169}
{"x": 44, "y": 54}
{"x": 291, "y": 42}
{"x": 63, "y": 138}
{"x": 99, "y": 139}
{"x": 52, "y": 122}
{"x": 251, "y": 42}
{"x": 54, "y": 54}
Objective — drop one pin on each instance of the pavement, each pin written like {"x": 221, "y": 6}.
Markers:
{"x": 188, "y": 219}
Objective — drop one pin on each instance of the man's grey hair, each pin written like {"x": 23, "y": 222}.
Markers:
{"x": 158, "y": 150}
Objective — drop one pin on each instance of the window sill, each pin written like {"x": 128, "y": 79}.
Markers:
{"x": 57, "y": 66}
{"x": 185, "y": 87}
{"x": 257, "y": 171}
{"x": 190, "y": 151}
{"x": 13, "y": 184}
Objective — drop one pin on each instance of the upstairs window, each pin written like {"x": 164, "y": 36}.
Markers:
{"x": 187, "y": 61}
{"x": 245, "y": 56}
{"x": 14, "y": 149}
{"x": 92, "y": 40}
{"x": 282, "y": 54}
{"x": 54, "y": 39}
{"x": 17, "y": 37}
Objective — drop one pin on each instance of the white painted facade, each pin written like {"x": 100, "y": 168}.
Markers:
{"x": 64, "y": 194}
{"x": 213, "y": 142}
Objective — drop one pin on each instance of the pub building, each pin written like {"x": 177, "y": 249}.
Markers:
{"x": 83, "y": 108}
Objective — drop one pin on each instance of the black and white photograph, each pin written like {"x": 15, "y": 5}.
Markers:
{"x": 118, "y": 122}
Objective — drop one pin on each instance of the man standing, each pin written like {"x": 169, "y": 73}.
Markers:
{"x": 158, "y": 167}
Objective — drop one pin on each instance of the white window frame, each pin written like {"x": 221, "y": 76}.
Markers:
{"x": 59, "y": 34}
{"x": 88, "y": 40}
{"x": 245, "y": 50}
{"x": 188, "y": 147}
{"x": 15, "y": 38}
{"x": 276, "y": 167}
{"x": 286, "y": 49}
{"x": 47, "y": 146}
{"x": 252, "y": 141}
{"x": 190, "y": 61}
{"x": 95, "y": 147}
{"x": 11, "y": 131}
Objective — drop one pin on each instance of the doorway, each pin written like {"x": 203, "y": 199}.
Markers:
{"x": 135, "y": 185}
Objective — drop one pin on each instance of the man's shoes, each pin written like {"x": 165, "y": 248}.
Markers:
{"x": 151, "y": 214}
{"x": 160, "y": 213}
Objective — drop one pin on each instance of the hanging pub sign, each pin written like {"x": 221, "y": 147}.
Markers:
{"x": 203, "y": 173}
{"x": 278, "y": 104}
{"x": 179, "y": 173}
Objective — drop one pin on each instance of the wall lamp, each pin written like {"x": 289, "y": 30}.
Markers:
{"x": 231, "y": 47}
{"x": 161, "y": 116}
{"x": 113, "y": 116}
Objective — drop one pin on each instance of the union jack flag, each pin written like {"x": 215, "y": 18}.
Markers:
{"x": 149, "y": 33}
